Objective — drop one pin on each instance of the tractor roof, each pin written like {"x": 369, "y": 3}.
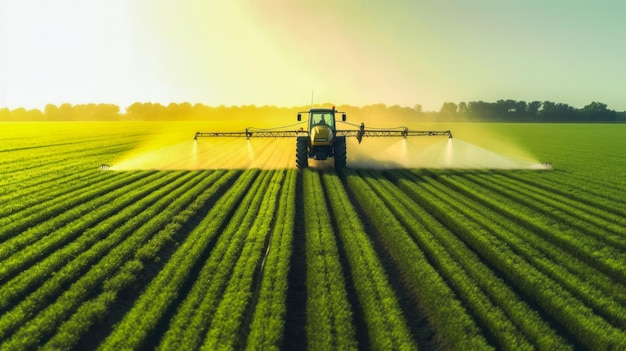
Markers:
{"x": 327, "y": 110}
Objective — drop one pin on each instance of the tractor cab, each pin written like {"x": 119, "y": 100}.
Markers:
{"x": 322, "y": 140}
{"x": 322, "y": 118}
{"x": 322, "y": 126}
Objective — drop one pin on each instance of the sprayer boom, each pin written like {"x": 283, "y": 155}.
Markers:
{"x": 249, "y": 134}
{"x": 358, "y": 133}
{"x": 390, "y": 133}
{"x": 321, "y": 139}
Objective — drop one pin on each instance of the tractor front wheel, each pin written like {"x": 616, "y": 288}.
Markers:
{"x": 340, "y": 152}
{"x": 302, "y": 152}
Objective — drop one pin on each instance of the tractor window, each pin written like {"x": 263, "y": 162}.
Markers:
{"x": 322, "y": 119}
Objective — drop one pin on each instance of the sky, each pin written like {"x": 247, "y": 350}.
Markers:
{"x": 284, "y": 52}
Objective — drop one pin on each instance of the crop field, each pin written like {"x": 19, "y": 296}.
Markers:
{"x": 361, "y": 258}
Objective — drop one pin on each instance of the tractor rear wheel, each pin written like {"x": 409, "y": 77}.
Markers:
{"x": 302, "y": 152}
{"x": 340, "y": 152}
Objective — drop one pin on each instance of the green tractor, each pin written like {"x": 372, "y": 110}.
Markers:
{"x": 322, "y": 140}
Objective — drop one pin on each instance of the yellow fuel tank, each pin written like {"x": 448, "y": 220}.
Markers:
{"x": 321, "y": 135}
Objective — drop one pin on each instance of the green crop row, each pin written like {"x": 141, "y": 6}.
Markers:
{"x": 91, "y": 311}
{"x": 268, "y": 321}
{"x": 520, "y": 313}
{"x": 41, "y": 189}
{"x": 329, "y": 316}
{"x": 58, "y": 231}
{"x": 578, "y": 193}
{"x": 196, "y": 311}
{"x": 528, "y": 224}
{"x": 576, "y": 317}
{"x": 587, "y": 247}
{"x": 16, "y": 223}
{"x": 79, "y": 252}
{"x": 87, "y": 276}
{"x": 387, "y": 328}
{"x": 584, "y": 218}
{"x": 229, "y": 315}
{"x": 165, "y": 288}
{"x": 36, "y": 165}
{"x": 521, "y": 241}
{"x": 511, "y": 322}
{"x": 454, "y": 326}
{"x": 597, "y": 189}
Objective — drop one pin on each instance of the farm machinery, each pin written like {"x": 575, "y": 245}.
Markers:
{"x": 322, "y": 139}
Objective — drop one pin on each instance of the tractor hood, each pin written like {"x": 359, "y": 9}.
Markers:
{"x": 321, "y": 135}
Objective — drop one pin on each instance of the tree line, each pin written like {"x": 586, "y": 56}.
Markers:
{"x": 534, "y": 111}
{"x": 499, "y": 111}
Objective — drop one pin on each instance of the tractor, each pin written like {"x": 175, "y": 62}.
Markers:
{"x": 322, "y": 140}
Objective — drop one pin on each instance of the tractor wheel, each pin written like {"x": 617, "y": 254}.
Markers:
{"x": 340, "y": 152}
{"x": 302, "y": 152}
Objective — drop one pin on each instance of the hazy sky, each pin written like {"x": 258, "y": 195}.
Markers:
{"x": 274, "y": 52}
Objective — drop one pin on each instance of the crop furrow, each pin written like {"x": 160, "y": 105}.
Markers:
{"x": 329, "y": 316}
{"x": 579, "y": 319}
{"x": 44, "y": 238}
{"x": 226, "y": 323}
{"x": 607, "y": 258}
{"x": 536, "y": 234}
{"x": 18, "y": 222}
{"x": 46, "y": 188}
{"x": 164, "y": 289}
{"x": 566, "y": 190}
{"x": 572, "y": 208}
{"x": 387, "y": 328}
{"x": 121, "y": 243}
{"x": 79, "y": 324}
{"x": 516, "y": 237}
{"x": 600, "y": 187}
{"x": 509, "y": 320}
{"x": 76, "y": 259}
{"x": 453, "y": 325}
{"x": 268, "y": 320}
{"x": 81, "y": 160}
{"x": 195, "y": 314}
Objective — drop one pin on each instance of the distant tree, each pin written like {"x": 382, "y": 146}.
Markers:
{"x": 521, "y": 110}
{"x": 463, "y": 109}
{"x": 34, "y": 115}
{"x": 19, "y": 114}
{"x": 481, "y": 110}
{"x": 501, "y": 109}
{"x": 135, "y": 111}
{"x": 147, "y": 111}
{"x": 106, "y": 112}
{"x": 66, "y": 112}
{"x": 547, "y": 111}
{"x": 51, "y": 112}
{"x": 5, "y": 114}
{"x": 173, "y": 111}
{"x": 558, "y": 112}
{"x": 185, "y": 111}
{"x": 418, "y": 108}
{"x": 532, "y": 109}
{"x": 400, "y": 111}
{"x": 597, "y": 112}
{"x": 448, "y": 109}
{"x": 374, "y": 111}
